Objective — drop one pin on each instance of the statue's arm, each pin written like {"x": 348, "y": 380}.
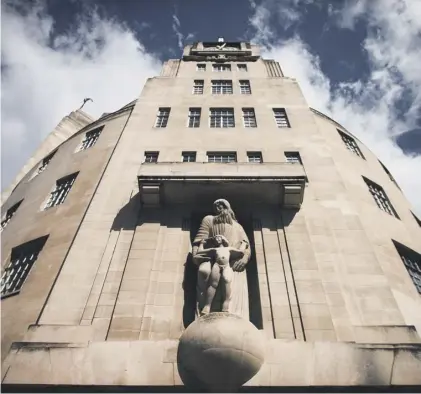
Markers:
{"x": 240, "y": 265}
{"x": 202, "y": 234}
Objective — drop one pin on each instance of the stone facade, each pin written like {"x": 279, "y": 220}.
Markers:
{"x": 111, "y": 291}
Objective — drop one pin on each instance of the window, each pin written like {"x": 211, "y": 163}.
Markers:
{"x": 242, "y": 67}
{"x": 45, "y": 161}
{"x": 221, "y": 67}
{"x": 249, "y": 117}
{"x": 201, "y": 67}
{"x": 245, "y": 87}
{"x": 222, "y": 157}
{"x": 254, "y": 157}
{"x": 222, "y": 117}
{"x": 293, "y": 157}
{"x": 194, "y": 117}
{"x": 60, "y": 191}
{"x": 416, "y": 219}
{"x": 162, "y": 117}
{"x": 151, "y": 157}
{"x": 9, "y": 214}
{"x": 91, "y": 138}
{"x": 189, "y": 157}
{"x": 281, "y": 118}
{"x": 222, "y": 87}
{"x": 412, "y": 262}
{"x": 351, "y": 144}
{"x": 389, "y": 174}
{"x": 198, "y": 86}
{"x": 380, "y": 197}
{"x": 22, "y": 259}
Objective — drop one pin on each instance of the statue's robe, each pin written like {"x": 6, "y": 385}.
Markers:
{"x": 235, "y": 235}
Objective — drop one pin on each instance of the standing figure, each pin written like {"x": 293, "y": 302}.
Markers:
{"x": 233, "y": 252}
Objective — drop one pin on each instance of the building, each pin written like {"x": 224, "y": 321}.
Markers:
{"x": 96, "y": 281}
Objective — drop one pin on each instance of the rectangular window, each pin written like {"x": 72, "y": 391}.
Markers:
{"x": 9, "y": 214}
{"x": 45, "y": 161}
{"x": 189, "y": 157}
{"x": 162, "y": 117}
{"x": 198, "y": 86}
{"x": 222, "y": 87}
{"x": 91, "y": 138}
{"x": 254, "y": 157}
{"x": 380, "y": 197}
{"x": 194, "y": 117}
{"x": 351, "y": 144}
{"x": 222, "y": 157}
{"x": 281, "y": 118}
{"x": 412, "y": 262}
{"x": 242, "y": 67}
{"x": 60, "y": 191}
{"x": 201, "y": 67}
{"x": 293, "y": 157}
{"x": 249, "y": 117}
{"x": 22, "y": 259}
{"x": 245, "y": 87}
{"x": 151, "y": 157}
{"x": 221, "y": 67}
{"x": 222, "y": 117}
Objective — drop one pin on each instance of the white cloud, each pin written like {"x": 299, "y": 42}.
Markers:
{"x": 366, "y": 107}
{"x": 176, "y": 27}
{"x": 44, "y": 76}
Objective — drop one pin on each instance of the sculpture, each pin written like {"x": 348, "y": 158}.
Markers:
{"x": 227, "y": 251}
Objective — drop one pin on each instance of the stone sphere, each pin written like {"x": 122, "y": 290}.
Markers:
{"x": 219, "y": 352}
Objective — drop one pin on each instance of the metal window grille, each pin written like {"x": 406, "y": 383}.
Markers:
{"x": 412, "y": 262}
{"x": 222, "y": 117}
{"x": 9, "y": 214}
{"x": 151, "y": 157}
{"x": 242, "y": 67}
{"x": 198, "y": 86}
{"x": 194, "y": 117}
{"x": 245, "y": 87}
{"x": 22, "y": 259}
{"x": 189, "y": 157}
{"x": 380, "y": 197}
{"x": 221, "y": 87}
{"x": 281, "y": 118}
{"x": 293, "y": 157}
{"x": 351, "y": 144}
{"x": 91, "y": 138}
{"x": 60, "y": 191}
{"x": 162, "y": 117}
{"x": 201, "y": 67}
{"x": 222, "y": 157}
{"x": 45, "y": 161}
{"x": 255, "y": 157}
{"x": 249, "y": 117}
{"x": 221, "y": 67}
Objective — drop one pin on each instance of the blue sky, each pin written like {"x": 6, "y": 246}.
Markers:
{"x": 357, "y": 61}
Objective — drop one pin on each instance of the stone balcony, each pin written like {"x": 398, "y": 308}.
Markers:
{"x": 264, "y": 183}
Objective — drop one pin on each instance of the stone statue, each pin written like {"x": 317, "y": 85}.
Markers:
{"x": 220, "y": 249}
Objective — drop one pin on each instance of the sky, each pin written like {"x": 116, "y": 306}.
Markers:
{"x": 356, "y": 61}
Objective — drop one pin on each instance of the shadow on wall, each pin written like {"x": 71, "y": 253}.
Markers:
{"x": 128, "y": 215}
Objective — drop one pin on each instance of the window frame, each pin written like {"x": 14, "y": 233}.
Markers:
{"x": 219, "y": 118}
{"x": 283, "y": 115}
{"x": 60, "y": 194}
{"x": 90, "y": 138}
{"x": 411, "y": 260}
{"x": 198, "y": 86}
{"x": 253, "y": 155}
{"x": 201, "y": 67}
{"x": 10, "y": 213}
{"x": 249, "y": 119}
{"x": 351, "y": 144}
{"x": 194, "y": 117}
{"x": 293, "y": 157}
{"x": 382, "y": 201}
{"x": 242, "y": 67}
{"x": 245, "y": 87}
{"x": 221, "y": 67}
{"x": 162, "y": 117}
{"x": 222, "y": 154}
{"x": 152, "y": 154}
{"x": 188, "y": 155}
{"x": 221, "y": 86}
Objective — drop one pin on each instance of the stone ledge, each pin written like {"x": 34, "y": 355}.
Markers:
{"x": 152, "y": 363}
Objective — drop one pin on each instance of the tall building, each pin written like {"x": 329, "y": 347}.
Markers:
{"x": 98, "y": 283}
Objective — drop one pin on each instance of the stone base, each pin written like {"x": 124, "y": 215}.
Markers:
{"x": 154, "y": 363}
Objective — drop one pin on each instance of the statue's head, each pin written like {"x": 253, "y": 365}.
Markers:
{"x": 221, "y": 240}
{"x": 223, "y": 211}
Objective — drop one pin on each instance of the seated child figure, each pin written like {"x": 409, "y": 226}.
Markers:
{"x": 220, "y": 255}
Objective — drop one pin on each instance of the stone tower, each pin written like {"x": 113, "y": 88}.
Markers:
{"x": 98, "y": 282}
